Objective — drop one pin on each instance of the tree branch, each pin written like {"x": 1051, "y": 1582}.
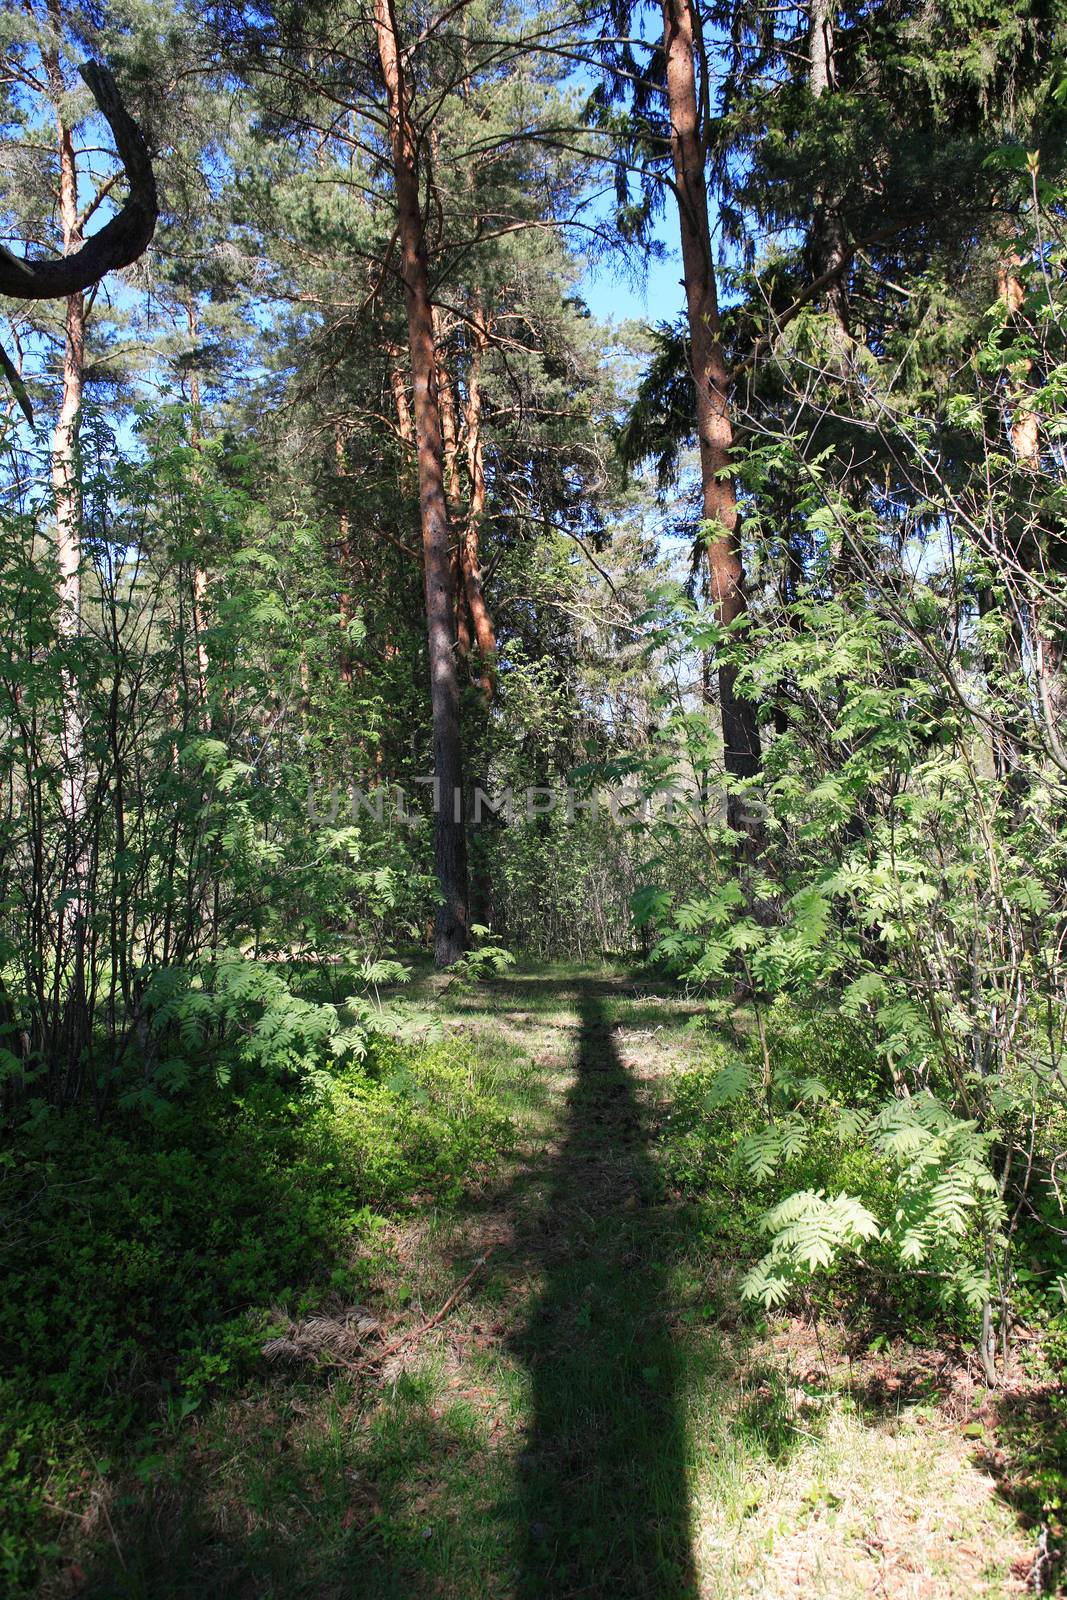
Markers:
{"x": 122, "y": 239}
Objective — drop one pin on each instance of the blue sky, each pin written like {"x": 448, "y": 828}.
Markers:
{"x": 659, "y": 298}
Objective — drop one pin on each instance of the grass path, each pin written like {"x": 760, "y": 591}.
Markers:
{"x": 591, "y": 1418}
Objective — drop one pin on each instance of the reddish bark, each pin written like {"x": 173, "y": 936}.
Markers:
{"x": 464, "y": 641}
{"x": 484, "y": 631}
{"x": 449, "y": 430}
{"x": 451, "y": 934}
{"x": 740, "y": 729}
{"x": 404, "y": 425}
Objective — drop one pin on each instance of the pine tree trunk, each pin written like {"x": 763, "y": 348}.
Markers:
{"x": 484, "y": 630}
{"x": 740, "y": 728}
{"x": 447, "y": 402}
{"x": 464, "y": 642}
{"x": 452, "y": 928}
{"x": 450, "y": 444}
{"x": 404, "y": 426}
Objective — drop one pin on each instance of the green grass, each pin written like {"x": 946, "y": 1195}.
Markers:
{"x": 596, "y": 1416}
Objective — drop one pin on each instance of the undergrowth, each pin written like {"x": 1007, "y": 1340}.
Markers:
{"x": 147, "y": 1252}
{"x": 748, "y": 1154}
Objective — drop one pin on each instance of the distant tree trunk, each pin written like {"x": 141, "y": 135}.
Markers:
{"x": 1025, "y": 437}
{"x": 67, "y": 493}
{"x": 346, "y": 607}
{"x": 450, "y": 445}
{"x": 828, "y": 247}
{"x": 1006, "y": 740}
{"x": 404, "y": 426}
{"x": 740, "y": 728}
{"x": 475, "y": 610}
{"x": 199, "y": 574}
{"x": 1025, "y": 555}
{"x": 451, "y": 934}
{"x": 831, "y": 253}
{"x": 1035, "y": 548}
{"x": 449, "y": 429}
{"x": 464, "y": 641}
{"x": 484, "y": 631}
{"x": 66, "y": 485}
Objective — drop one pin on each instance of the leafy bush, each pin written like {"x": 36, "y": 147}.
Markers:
{"x": 895, "y": 881}
{"x": 143, "y": 1257}
{"x": 834, "y": 1174}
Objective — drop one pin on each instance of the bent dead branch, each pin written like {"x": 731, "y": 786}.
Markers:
{"x": 125, "y": 237}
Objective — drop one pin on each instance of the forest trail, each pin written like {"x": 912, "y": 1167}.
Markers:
{"x": 596, "y": 1417}
{"x": 593, "y": 1415}
{"x": 582, "y": 1244}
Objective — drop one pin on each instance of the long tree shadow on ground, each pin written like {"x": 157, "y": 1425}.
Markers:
{"x": 601, "y": 1479}
{"x": 285, "y": 1494}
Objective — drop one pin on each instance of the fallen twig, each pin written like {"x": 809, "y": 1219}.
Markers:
{"x": 438, "y": 1316}
{"x": 372, "y": 1357}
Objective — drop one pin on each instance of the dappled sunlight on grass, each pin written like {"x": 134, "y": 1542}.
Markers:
{"x": 593, "y": 1414}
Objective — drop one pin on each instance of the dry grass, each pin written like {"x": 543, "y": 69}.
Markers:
{"x": 896, "y": 1509}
